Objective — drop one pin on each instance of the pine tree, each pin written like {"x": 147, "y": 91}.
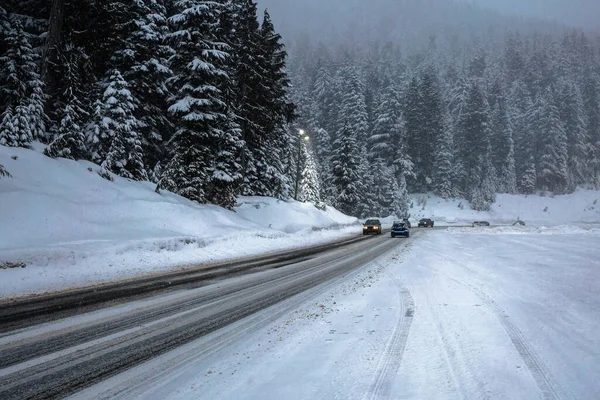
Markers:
{"x": 309, "y": 182}
{"x": 387, "y": 126}
{"x": 4, "y": 172}
{"x": 143, "y": 59}
{"x": 353, "y": 106}
{"x": 514, "y": 60}
{"x": 400, "y": 206}
{"x": 444, "y": 169}
{"x": 591, "y": 99}
{"x": 205, "y": 146}
{"x": 552, "y": 167}
{"x": 124, "y": 156}
{"x": 424, "y": 124}
{"x": 529, "y": 178}
{"x": 97, "y": 139}
{"x": 249, "y": 76}
{"x": 15, "y": 130}
{"x": 262, "y": 104}
{"x": 433, "y": 124}
{"x": 572, "y": 115}
{"x": 347, "y": 178}
{"x": 474, "y": 132}
{"x": 381, "y": 188}
{"x": 322, "y": 95}
{"x": 22, "y": 92}
{"x": 501, "y": 141}
{"x": 70, "y": 141}
{"x": 519, "y": 105}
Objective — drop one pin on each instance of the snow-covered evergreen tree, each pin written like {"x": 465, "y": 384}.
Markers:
{"x": 143, "y": 59}
{"x": 15, "y": 130}
{"x": 591, "y": 99}
{"x": 501, "y": 141}
{"x": 552, "y": 169}
{"x": 124, "y": 156}
{"x": 309, "y": 180}
{"x": 443, "y": 172}
{"x": 353, "y": 106}
{"x": 22, "y": 92}
{"x": 261, "y": 102}
{"x": 97, "y": 140}
{"x": 347, "y": 179}
{"x": 70, "y": 141}
{"x": 529, "y": 178}
{"x": 474, "y": 135}
{"x": 572, "y": 115}
{"x": 4, "y": 172}
{"x": 205, "y": 145}
{"x": 387, "y": 125}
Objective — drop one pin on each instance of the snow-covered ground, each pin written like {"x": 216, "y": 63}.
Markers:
{"x": 71, "y": 227}
{"x": 451, "y": 315}
{"x": 582, "y": 207}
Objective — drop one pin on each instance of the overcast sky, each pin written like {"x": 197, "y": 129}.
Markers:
{"x": 581, "y": 13}
{"x": 575, "y": 13}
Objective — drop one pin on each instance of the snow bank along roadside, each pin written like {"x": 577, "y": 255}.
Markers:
{"x": 70, "y": 227}
{"x": 581, "y": 207}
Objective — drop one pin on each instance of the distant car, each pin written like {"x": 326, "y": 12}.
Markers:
{"x": 481, "y": 223}
{"x": 407, "y": 222}
{"x": 372, "y": 226}
{"x": 425, "y": 223}
{"x": 399, "y": 228}
{"x": 519, "y": 222}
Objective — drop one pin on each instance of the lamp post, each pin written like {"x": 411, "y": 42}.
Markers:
{"x": 301, "y": 135}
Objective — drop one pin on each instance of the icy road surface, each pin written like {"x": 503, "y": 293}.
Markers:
{"x": 462, "y": 314}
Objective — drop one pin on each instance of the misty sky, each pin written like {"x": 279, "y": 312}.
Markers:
{"x": 583, "y": 13}
{"x": 575, "y": 13}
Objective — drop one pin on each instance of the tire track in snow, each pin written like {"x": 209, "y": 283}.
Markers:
{"x": 538, "y": 370}
{"x": 389, "y": 364}
{"x": 540, "y": 373}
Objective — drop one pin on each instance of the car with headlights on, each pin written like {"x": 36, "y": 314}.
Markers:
{"x": 400, "y": 228}
{"x": 372, "y": 227}
{"x": 425, "y": 223}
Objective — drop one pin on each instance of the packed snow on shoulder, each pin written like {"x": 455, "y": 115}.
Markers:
{"x": 69, "y": 227}
{"x": 581, "y": 207}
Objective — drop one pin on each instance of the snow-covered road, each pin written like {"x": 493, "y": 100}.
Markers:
{"x": 463, "y": 314}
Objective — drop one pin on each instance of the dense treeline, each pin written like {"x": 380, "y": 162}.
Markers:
{"x": 193, "y": 95}
{"x": 472, "y": 119}
{"x": 190, "y": 94}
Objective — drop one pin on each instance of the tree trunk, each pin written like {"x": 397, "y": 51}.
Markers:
{"x": 50, "y": 60}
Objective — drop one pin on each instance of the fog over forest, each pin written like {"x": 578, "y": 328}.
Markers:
{"x": 459, "y": 98}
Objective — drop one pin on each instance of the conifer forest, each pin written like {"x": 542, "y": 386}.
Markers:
{"x": 208, "y": 100}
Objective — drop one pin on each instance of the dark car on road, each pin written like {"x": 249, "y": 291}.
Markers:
{"x": 399, "y": 228}
{"x": 372, "y": 226}
{"x": 425, "y": 223}
{"x": 481, "y": 223}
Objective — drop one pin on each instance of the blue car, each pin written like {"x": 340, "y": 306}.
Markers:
{"x": 400, "y": 229}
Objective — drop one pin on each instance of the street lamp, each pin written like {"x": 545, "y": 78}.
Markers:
{"x": 301, "y": 135}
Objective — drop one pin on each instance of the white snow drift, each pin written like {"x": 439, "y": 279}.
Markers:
{"x": 71, "y": 227}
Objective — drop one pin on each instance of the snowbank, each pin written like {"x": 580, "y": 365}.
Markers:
{"x": 532, "y": 229}
{"x": 71, "y": 227}
{"x": 582, "y": 207}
